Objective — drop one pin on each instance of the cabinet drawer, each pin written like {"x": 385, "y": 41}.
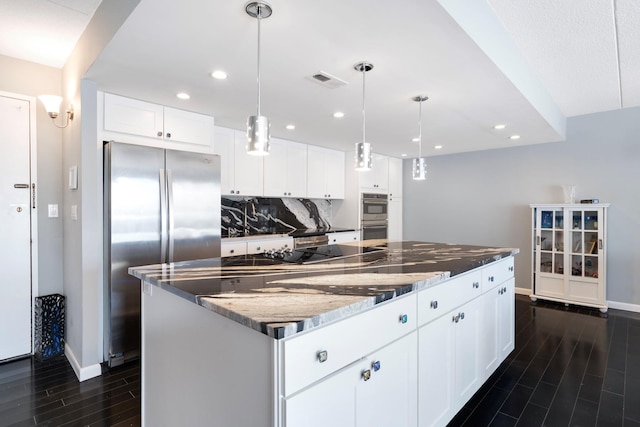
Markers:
{"x": 496, "y": 273}
{"x": 233, "y": 248}
{"x": 343, "y": 237}
{"x": 442, "y": 298}
{"x": 318, "y": 353}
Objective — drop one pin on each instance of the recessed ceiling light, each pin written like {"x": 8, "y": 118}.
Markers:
{"x": 219, "y": 75}
{"x": 437, "y": 147}
{"x": 514, "y": 137}
{"x": 290, "y": 127}
{"x": 338, "y": 114}
{"x": 415, "y": 140}
{"x": 183, "y": 95}
{"x": 499, "y": 127}
{"x": 404, "y": 154}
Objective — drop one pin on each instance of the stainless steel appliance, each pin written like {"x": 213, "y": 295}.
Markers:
{"x": 374, "y": 216}
{"x": 159, "y": 206}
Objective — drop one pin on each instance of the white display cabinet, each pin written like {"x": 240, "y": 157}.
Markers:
{"x": 569, "y": 253}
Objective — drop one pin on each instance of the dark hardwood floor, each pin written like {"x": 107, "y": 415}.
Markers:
{"x": 47, "y": 393}
{"x": 572, "y": 366}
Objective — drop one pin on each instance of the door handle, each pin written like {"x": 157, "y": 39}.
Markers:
{"x": 20, "y": 185}
{"x": 163, "y": 217}
{"x": 170, "y": 212}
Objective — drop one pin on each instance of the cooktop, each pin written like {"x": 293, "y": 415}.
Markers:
{"x": 324, "y": 253}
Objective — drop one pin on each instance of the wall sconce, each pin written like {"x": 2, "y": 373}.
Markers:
{"x": 52, "y": 105}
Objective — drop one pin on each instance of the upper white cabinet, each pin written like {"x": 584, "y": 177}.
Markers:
{"x": 377, "y": 179}
{"x": 285, "y": 169}
{"x": 325, "y": 173}
{"x": 240, "y": 173}
{"x": 395, "y": 178}
{"x": 145, "y": 119}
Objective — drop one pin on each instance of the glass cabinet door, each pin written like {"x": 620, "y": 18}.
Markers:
{"x": 550, "y": 239}
{"x": 586, "y": 242}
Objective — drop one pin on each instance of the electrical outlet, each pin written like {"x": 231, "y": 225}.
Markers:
{"x": 53, "y": 211}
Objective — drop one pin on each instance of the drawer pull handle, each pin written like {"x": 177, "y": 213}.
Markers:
{"x": 456, "y": 318}
{"x": 511, "y": 268}
{"x": 404, "y": 318}
{"x": 434, "y": 304}
{"x": 323, "y": 356}
{"x": 504, "y": 290}
{"x": 375, "y": 366}
{"x": 462, "y": 316}
{"x": 500, "y": 291}
{"x": 366, "y": 375}
{"x": 476, "y": 285}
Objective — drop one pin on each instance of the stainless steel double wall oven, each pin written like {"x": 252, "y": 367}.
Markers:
{"x": 374, "y": 216}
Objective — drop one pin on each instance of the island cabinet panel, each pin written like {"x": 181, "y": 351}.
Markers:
{"x": 378, "y": 390}
{"x": 202, "y": 369}
{"x": 497, "y": 325}
{"x": 318, "y": 353}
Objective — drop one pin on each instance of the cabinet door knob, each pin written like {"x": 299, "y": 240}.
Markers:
{"x": 376, "y": 366}
{"x": 476, "y": 285}
{"x": 504, "y": 290}
{"x": 159, "y": 133}
{"x": 462, "y": 316}
{"x": 232, "y": 251}
{"x": 404, "y": 318}
{"x": 434, "y": 304}
{"x": 511, "y": 268}
{"x": 366, "y": 375}
{"x": 323, "y": 356}
{"x": 232, "y": 192}
{"x": 168, "y": 134}
{"x": 491, "y": 278}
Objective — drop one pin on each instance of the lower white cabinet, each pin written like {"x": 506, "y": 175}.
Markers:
{"x": 377, "y": 390}
{"x": 497, "y": 328}
{"x": 449, "y": 368}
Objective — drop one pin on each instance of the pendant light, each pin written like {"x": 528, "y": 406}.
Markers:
{"x": 258, "y": 127}
{"x": 419, "y": 169}
{"x": 363, "y": 149}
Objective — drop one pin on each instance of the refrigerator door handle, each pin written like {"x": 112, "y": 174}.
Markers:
{"x": 163, "y": 217}
{"x": 170, "y": 213}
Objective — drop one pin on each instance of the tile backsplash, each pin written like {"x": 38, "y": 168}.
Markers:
{"x": 259, "y": 215}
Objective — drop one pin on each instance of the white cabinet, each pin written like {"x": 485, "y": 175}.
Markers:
{"x": 240, "y": 173}
{"x": 355, "y": 395}
{"x": 325, "y": 173}
{"x": 145, "y": 119}
{"x": 449, "y": 368}
{"x": 569, "y": 253}
{"x": 394, "y": 224}
{"x": 343, "y": 237}
{"x": 376, "y": 180}
{"x": 232, "y": 248}
{"x": 395, "y": 178}
{"x": 285, "y": 169}
{"x": 498, "y": 308}
{"x": 395, "y": 199}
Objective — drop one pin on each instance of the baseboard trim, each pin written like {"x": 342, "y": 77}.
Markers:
{"x": 624, "y": 306}
{"x": 610, "y": 304}
{"x": 85, "y": 373}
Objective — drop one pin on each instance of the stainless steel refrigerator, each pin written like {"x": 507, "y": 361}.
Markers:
{"x": 160, "y": 206}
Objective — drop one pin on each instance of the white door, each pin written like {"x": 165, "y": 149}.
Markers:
{"x": 15, "y": 229}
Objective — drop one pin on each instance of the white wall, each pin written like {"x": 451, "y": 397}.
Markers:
{"x": 483, "y": 197}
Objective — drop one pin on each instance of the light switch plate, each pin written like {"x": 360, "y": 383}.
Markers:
{"x": 53, "y": 211}
{"x": 74, "y": 212}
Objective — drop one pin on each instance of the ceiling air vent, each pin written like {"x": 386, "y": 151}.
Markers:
{"x": 327, "y": 80}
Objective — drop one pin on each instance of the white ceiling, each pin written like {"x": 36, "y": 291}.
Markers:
{"x": 569, "y": 49}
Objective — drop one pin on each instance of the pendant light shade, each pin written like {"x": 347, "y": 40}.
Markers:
{"x": 363, "y": 156}
{"x": 258, "y": 126}
{"x": 419, "y": 169}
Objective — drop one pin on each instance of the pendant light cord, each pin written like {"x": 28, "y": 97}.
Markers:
{"x": 259, "y": 12}
{"x": 420, "y": 131}
{"x": 364, "y": 116}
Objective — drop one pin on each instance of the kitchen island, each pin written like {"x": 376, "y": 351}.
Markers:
{"x": 255, "y": 341}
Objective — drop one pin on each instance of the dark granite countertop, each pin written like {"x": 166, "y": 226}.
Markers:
{"x": 280, "y": 299}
